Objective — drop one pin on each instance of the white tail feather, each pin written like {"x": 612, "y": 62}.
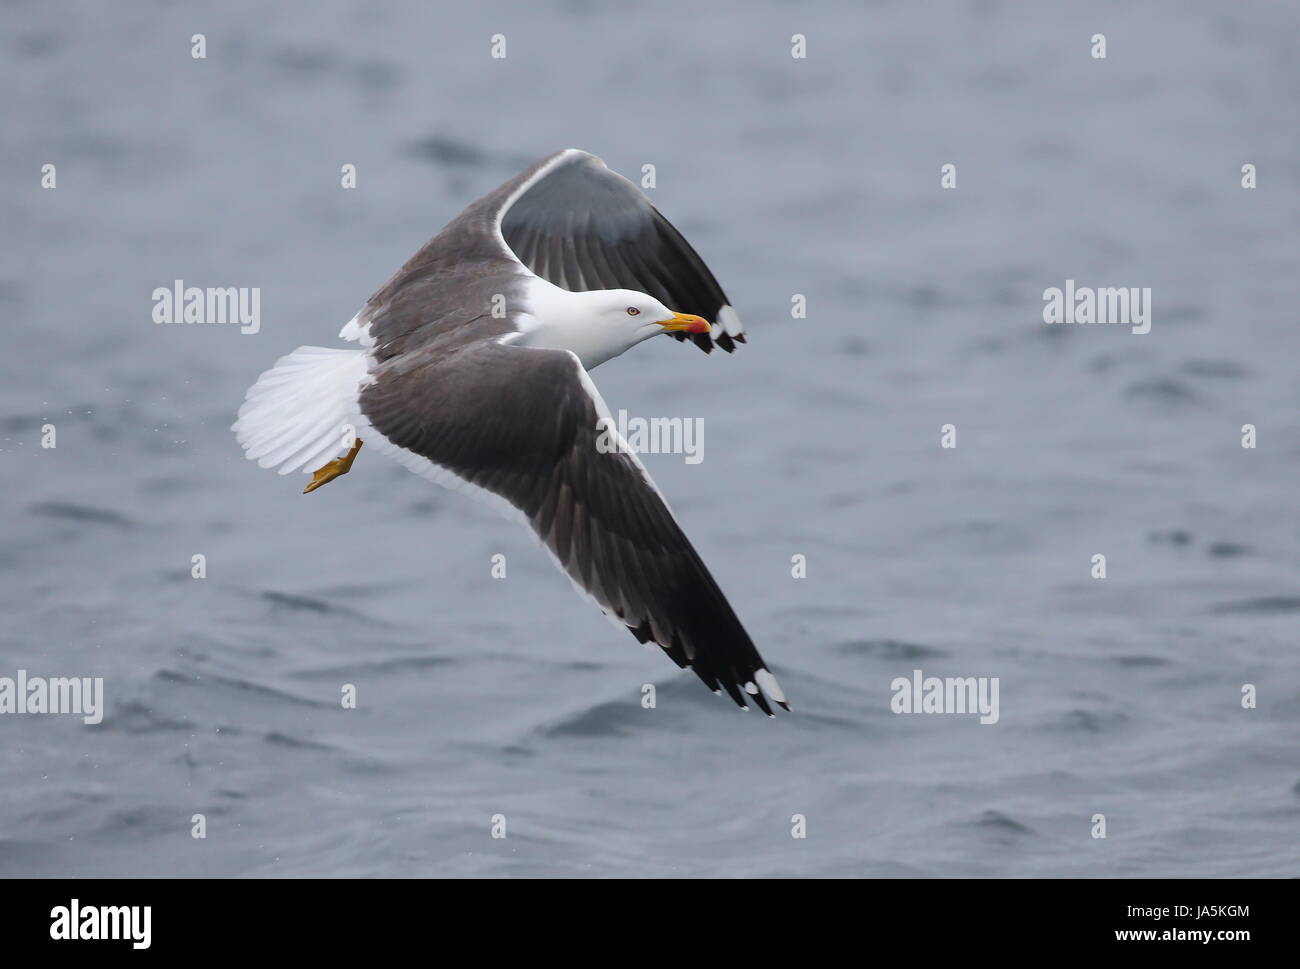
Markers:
{"x": 299, "y": 413}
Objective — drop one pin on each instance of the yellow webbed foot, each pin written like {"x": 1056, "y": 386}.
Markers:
{"x": 332, "y": 470}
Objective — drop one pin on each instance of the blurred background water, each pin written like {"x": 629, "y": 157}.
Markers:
{"x": 815, "y": 176}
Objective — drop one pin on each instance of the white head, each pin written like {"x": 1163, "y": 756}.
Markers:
{"x": 602, "y": 323}
{"x": 640, "y": 315}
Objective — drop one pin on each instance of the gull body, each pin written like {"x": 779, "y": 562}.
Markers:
{"x": 470, "y": 367}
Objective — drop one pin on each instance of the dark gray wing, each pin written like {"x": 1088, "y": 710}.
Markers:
{"x": 581, "y": 226}
{"x": 521, "y": 423}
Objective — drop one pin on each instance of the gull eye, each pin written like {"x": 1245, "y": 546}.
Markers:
{"x": 632, "y": 311}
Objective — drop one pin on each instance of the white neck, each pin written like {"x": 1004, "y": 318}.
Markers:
{"x": 556, "y": 318}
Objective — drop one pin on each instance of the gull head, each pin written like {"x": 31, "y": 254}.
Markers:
{"x": 602, "y": 323}
{"x": 639, "y": 315}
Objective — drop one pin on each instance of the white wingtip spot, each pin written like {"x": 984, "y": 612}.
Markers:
{"x": 770, "y": 686}
{"x": 729, "y": 321}
{"x": 750, "y": 688}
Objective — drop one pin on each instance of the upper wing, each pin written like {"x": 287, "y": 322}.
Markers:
{"x": 582, "y": 227}
{"x": 521, "y": 423}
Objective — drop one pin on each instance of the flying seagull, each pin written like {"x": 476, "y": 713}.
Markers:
{"x": 473, "y": 371}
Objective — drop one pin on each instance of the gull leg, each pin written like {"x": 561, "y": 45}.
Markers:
{"x": 332, "y": 470}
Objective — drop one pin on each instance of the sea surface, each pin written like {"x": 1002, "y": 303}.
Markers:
{"x": 482, "y": 697}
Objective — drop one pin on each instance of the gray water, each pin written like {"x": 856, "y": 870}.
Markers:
{"x": 817, "y": 176}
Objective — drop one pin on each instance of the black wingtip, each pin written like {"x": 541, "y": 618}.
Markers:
{"x": 734, "y": 692}
{"x": 706, "y": 341}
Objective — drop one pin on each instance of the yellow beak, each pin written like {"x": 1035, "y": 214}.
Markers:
{"x": 685, "y": 322}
